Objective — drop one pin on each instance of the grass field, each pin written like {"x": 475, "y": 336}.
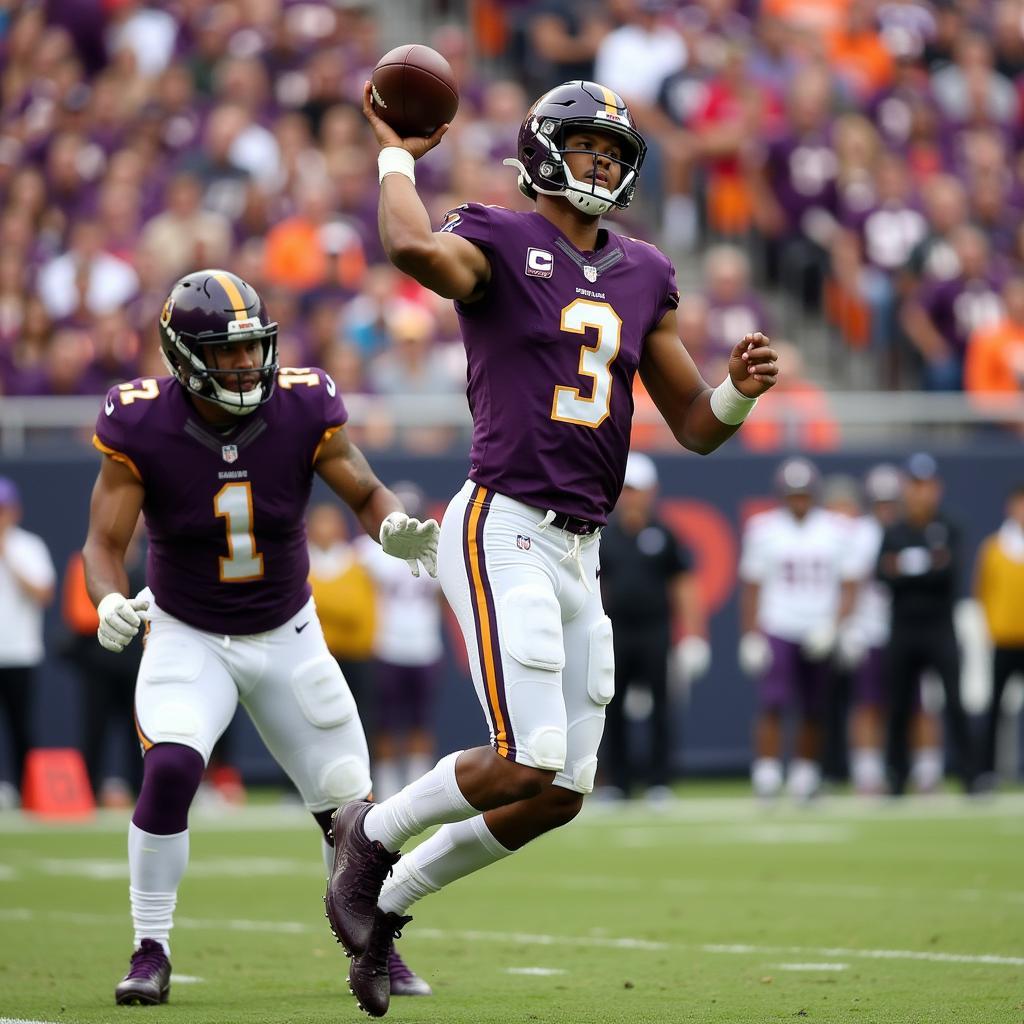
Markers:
{"x": 714, "y": 910}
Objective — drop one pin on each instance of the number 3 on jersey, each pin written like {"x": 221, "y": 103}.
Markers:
{"x": 233, "y": 502}
{"x": 568, "y": 406}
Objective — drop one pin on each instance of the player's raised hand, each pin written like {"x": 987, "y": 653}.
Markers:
{"x": 387, "y": 136}
{"x": 408, "y": 538}
{"x": 120, "y": 619}
{"x": 754, "y": 365}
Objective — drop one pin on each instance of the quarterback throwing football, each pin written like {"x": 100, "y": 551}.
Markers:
{"x": 558, "y": 314}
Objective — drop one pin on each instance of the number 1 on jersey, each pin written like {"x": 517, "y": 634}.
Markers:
{"x": 233, "y": 502}
{"x": 595, "y": 361}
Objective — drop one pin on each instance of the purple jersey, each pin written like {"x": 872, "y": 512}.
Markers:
{"x": 224, "y": 510}
{"x": 552, "y": 349}
{"x": 802, "y": 172}
{"x": 958, "y": 307}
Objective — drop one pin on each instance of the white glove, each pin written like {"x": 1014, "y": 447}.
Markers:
{"x": 820, "y": 642}
{"x": 412, "y": 540}
{"x": 755, "y": 653}
{"x": 691, "y": 657}
{"x": 120, "y": 619}
{"x": 850, "y": 647}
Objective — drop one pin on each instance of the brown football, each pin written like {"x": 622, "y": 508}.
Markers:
{"x": 414, "y": 90}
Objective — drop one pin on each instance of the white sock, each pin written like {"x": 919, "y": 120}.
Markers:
{"x": 156, "y": 866}
{"x": 927, "y": 769}
{"x": 766, "y": 776}
{"x": 803, "y": 779}
{"x": 388, "y": 778}
{"x": 867, "y": 770}
{"x": 452, "y": 852}
{"x": 434, "y": 799}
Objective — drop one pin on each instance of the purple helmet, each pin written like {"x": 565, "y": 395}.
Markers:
{"x": 207, "y": 308}
{"x": 577, "y": 107}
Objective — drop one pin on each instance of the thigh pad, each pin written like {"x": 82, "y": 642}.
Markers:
{"x": 531, "y": 627}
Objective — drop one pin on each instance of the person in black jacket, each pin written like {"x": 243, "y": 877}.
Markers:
{"x": 648, "y": 585}
{"x": 918, "y": 561}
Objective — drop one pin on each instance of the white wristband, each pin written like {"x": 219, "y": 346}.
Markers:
{"x": 729, "y": 404}
{"x": 396, "y": 160}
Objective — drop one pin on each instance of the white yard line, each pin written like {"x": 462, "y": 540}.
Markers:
{"x": 537, "y": 972}
{"x": 828, "y": 966}
{"x": 541, "y": 939}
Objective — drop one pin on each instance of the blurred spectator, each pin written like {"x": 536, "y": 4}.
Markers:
{"x": 186, "y": 236}
{"x": 412, "y": 365}
{"x": 995, "y": 354}
{"x": 945, "y": 208}
{"x": 650, "y": 594}
{"x": 86, "y": 280}
{"x": 314, "y": 249}
{"x": 27, "y": 579}
{"x": 970, "y": 90}
{"x": 108, "y": 682}
{"x": 734, "y": 309}
{"x": 634, "y": 60}
{"x": 863, "y": 62}
{"x": 940, "y": 318}
{"x": 999, "y": 587}
{"x": 407, "y": 649}
{"x": 919, "y": 562}
{"x": 343, "y": 592}
{"x": 796, "y": 201}
{"x": 560, "y": 39}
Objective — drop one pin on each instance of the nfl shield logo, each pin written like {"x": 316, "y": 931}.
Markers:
{"x": 523, "y": 542}
{"x": 590, "y": 273}
{"x": 229, "y": 452}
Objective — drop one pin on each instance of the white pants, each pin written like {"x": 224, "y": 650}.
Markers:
{"x": 539, "y": 643}
{"x": 191, "y": 682}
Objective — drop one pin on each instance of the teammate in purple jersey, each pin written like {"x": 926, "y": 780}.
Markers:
{"x": 220, "y": 457}
{"x": 558, "y": 314}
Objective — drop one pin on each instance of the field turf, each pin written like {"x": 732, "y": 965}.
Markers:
{"x": 714, "y": 910}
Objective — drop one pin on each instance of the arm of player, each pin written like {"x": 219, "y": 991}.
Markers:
{"x": 343, "y": 467}
{"x": 447, "y": 264}
{"x": 113, "y": 514}
{"x": 683, "y": 397}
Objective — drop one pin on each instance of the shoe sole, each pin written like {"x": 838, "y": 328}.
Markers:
{"x": 136, "y": 999}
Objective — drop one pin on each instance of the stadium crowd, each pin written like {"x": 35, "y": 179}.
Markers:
{"x": 860, "y": 156}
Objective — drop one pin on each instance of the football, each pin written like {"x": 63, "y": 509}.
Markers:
{"x": 414, "y": 90}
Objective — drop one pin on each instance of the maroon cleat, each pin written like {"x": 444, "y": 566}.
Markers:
{"x": 369, "y": 976}
{"x": 148, "y": 982}
{"x": 360, "y": 867}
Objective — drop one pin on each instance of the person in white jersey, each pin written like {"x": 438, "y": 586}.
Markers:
{"x": 797, "y": 584}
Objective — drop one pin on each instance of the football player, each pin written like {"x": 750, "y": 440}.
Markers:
{"x": 798, "y": 585}
{"x": 220, "y": 456}
{"x": 558, "y": 313}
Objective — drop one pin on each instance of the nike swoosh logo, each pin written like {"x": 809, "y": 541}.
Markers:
{"x": 299, "y": 629}
{"x": 332, "y": 388}
{"x": 109, "y": 408}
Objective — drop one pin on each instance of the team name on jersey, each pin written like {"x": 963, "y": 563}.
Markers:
{"x": 589, "y": 294}
{"x": 233, "y": 474}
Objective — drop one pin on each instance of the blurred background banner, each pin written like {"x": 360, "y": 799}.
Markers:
{"x": 704, "y": 501}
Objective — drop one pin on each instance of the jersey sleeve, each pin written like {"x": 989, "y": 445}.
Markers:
{"x": 116, "y": 433}
{"x": 669, "y": 298}
{"x": 472, "y": 221}
{"x": 678, "y": 556}
{"x": 330, "y": 414}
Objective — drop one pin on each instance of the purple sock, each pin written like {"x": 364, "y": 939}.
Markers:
{"x": 171, "y": 775}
